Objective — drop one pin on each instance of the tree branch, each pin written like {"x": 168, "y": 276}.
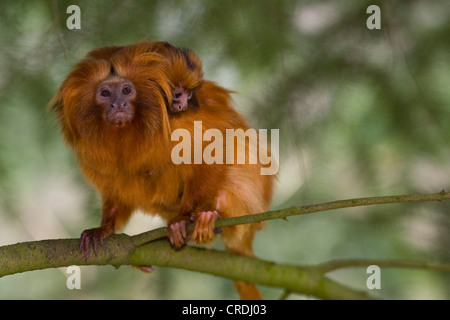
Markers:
{"x": 142, "y": 249}
{"x": 119, "y": 249}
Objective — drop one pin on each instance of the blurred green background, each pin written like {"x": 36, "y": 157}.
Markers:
{"x": 361, "y": 113}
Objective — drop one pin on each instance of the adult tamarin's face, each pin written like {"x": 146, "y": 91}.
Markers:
{"x": 114, "y": 91}
{"x": 116, "y": 98}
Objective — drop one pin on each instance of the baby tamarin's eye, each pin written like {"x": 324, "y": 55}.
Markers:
{"x": 177, "y": 94}
{"x": 190, "y": 93}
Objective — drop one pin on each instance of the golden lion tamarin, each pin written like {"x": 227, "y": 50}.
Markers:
{"x": 118, "y": 109}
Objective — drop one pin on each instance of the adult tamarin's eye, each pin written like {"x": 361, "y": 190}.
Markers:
{"x": 105, "y": 93}
{"x": 126, "y": 90}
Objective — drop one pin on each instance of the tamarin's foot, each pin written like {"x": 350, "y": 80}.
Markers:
{"x": 95, "y": 235}
{"x": 204, "y": 226}
{"x": 176, "y": 229}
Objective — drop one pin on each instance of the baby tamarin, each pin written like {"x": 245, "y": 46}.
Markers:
{"x": 114, "y": 108}
{"x": 184, "y": 71}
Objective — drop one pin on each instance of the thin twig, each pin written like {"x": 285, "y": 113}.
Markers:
{"x": 356, "y": 263}
{"x": 284, "y": 213}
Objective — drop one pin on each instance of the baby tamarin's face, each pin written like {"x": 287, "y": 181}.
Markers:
{"x": 184, "y": 71}
{"x": 180, "y": 98}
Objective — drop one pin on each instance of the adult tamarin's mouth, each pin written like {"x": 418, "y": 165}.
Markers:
{"x": 119, "y": 118}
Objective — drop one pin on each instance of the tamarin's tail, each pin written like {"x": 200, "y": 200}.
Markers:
{"x": 247, "y": 291}
{"x": 245, "y": 234}
{"x": 239, "y": 239}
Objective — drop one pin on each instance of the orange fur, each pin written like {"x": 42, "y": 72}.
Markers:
{"x": 131, "y": 166}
